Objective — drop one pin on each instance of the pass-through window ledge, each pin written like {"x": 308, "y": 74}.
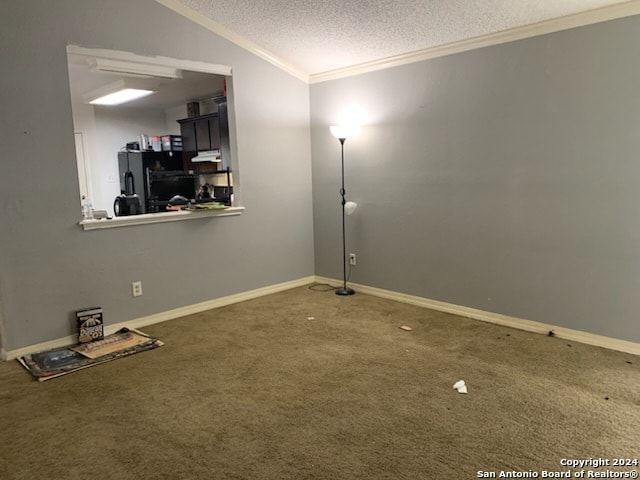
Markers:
{"x": 148, "y": 218}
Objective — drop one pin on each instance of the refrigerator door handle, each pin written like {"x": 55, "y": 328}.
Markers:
{"x": 130, "y": 189}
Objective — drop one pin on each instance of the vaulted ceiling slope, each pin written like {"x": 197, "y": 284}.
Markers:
{"x": 313, "y": 38}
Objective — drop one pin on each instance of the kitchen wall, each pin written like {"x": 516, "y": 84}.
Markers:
{"x": 49, "y": 266}
{"x": 505, "y": 178}
{"x": 106, "y": 132}
{"x": 172, "y": 115}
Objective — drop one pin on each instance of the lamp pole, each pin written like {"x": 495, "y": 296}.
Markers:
{"x": 344, "y": 290}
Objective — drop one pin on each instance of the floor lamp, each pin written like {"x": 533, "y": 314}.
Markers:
{"x": 341, "y": 133}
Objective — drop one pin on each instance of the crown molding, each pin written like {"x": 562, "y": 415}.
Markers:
{"x": 612, "y": 12}
{"x": 233, "y": 37}
{"x": 627, "y": 9}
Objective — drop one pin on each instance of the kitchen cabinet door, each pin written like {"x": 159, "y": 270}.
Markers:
{"x": 214, "y": 133}
{"x": 188, "y": 132}
{"x": 203, "y": 140}
{"x": 203, "y": 133}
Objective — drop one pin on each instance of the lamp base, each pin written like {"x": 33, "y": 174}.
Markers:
{"x": 345, "y": 291}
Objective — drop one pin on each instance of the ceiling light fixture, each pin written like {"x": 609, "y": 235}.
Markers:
{"x": 121, "y": 96}
{"x": 119, "y": 92}
{"x": 106, "y": 65}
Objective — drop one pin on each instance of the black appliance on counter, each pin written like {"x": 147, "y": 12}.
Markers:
{"x": 223, "y": 194}
{"x": 154, "y": 177}
{"x": 129, "y": 202}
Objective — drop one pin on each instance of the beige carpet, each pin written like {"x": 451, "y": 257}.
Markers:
{"x": 259, "y": 390}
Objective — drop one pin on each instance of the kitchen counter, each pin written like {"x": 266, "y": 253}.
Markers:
{"x": 146, "y": 218}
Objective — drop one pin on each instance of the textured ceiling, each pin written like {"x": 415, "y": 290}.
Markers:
{"x": 317, "y": 36}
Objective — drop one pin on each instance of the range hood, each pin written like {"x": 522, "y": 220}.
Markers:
{"x": 207, "y": 156}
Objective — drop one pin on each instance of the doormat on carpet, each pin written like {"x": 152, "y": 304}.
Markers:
{"x": 60, "y": 361}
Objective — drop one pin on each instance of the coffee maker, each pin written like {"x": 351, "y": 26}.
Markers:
{"x": 128, "y": 203}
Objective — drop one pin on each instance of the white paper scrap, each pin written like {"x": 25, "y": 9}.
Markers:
{"x": 460, "y": 386}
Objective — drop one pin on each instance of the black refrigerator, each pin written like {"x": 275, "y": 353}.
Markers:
{"x": 155, "y": 177}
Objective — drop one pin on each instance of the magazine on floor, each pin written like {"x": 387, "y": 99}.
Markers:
{"x": 60, "y": 361}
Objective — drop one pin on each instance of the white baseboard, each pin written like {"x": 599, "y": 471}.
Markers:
{"x": 496, "y": 318}
{"x": 163, "y": 316}
{"x": 473, "y": 313}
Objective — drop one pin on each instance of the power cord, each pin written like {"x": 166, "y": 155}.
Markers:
{"x": 322, "y": 287}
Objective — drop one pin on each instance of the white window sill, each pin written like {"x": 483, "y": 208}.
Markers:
{"x": 147, "y": 218}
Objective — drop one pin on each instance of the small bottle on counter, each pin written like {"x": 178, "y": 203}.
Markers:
{"x": 87, "y": 210}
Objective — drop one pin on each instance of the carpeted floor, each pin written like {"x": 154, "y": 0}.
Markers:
{"x": 305, "y": 384}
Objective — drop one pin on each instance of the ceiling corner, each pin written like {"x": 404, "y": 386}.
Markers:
{"x": 233, "y": 37}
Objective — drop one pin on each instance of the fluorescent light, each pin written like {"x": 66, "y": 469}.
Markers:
{"x": 121, "y": 91}
{"x": 121, "y": 96}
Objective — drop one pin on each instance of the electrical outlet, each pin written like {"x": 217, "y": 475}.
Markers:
{"x": 352, "y": 259}
{"x": 136, "y": 289}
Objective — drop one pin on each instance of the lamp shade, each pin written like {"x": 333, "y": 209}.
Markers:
{"x": 344, "y": 131}
{"x": 350, "y": 207}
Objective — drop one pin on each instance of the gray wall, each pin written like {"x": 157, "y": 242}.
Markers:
{"x": 505, "y": 178}
{"x": 49, "y": 267}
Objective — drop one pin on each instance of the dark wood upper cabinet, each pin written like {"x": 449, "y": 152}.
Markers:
{"x": 214, "y": 132}
{"x": 201, "y": 133}
{"x": 188, "y": 131}
{"x": 206, "y": 132}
